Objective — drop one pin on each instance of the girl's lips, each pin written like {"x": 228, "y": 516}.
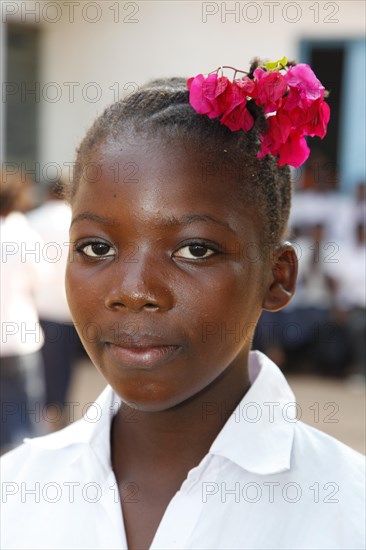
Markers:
{"x": 143, "y": 357}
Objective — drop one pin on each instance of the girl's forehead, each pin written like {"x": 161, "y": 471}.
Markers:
{"x": 163, "y": 144}
{"x": 155, "y": 179}
{"x": 185, "y": 161}
{"x": 179, "y": 174}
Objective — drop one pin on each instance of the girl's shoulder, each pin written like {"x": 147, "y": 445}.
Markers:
{"x": 318, "y": 457}
{"x": 46, "y": 457}
{"x": 37, "y": 457}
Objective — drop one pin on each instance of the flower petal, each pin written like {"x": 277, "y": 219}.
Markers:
{"x": 301, "y": 76}
{"x": 294, "y": 152}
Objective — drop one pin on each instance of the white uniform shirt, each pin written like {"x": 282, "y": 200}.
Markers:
{"x": 350, "y": 271}
{"x": 23, "y": 269}
{"x": 312, "y": 288}
{"x": 268, "y": 482}
{"x": 52, "y": 221}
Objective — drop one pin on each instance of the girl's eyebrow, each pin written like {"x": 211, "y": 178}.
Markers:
{"x": 170, "y": 221}
{"x": 94, "y": 218}
{"x": 191, "y": 218}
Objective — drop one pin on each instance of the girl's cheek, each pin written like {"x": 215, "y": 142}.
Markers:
{"x": 75, "y": 290}
{"x": 84, "y": 292}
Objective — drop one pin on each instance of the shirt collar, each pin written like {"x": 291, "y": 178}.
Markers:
{"x": 258, "y": 435}
{"x": 89, "y": 429}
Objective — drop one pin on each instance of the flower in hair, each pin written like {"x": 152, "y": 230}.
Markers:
{"x": 211, "y": 96}
{"x": 270, "y": 89}
{"x": 237, "y": 116}
{"x": 290, "y": 96}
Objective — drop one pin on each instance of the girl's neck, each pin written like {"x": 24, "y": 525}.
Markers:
{"x": 177, "y": 438}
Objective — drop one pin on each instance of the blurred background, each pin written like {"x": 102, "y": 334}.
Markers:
{"x": 61, "y": 64}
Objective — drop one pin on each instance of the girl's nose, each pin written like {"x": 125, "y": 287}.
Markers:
{"x": 137, "y": 287}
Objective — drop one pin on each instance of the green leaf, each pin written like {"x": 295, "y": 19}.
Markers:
{"x": 276, "y": 65}
{"x": 283, "y": 61}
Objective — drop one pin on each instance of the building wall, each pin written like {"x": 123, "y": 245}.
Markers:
{"x": 131, "y": 42}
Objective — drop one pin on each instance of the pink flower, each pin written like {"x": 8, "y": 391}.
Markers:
{"x": 303, "y": 78}
{"x": 317, "y": 119}
{"x": 247, "y": 86}
{"x": 209, "y": 96}
{"x": 294, "y": 101}
{"x": 279, "y": 128}
{"x": 238, "y": 95}
{"x": 266, "y": 147}
{"x": 223, "y": 94}
{"x": 278, "y": 131}
{"x": 198, "y": 93}
{"x": 237, "y": 117}
{"x": 284, "y": 141}
{"x": 294, "y": 151}
{"x": 312, "y": 119}
{"x": 270, "y": 89}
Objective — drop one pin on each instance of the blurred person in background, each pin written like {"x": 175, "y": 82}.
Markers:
{"x": 52, "y": 221}
{"x": 360, "y": 202}
{"x": 351, "y": 295}
{"x": 309, "y": 334}
{"x": 22, "y": 269}
{"x": 325, "y": 342}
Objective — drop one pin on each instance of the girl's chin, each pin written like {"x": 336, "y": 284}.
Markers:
{"x": 150, "y": 396}
{"x": 138, "y": 403}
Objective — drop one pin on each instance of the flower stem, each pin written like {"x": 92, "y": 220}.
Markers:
{"x": 228, "y": 67}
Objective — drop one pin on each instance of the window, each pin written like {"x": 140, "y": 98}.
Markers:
{"x": 21, "y": 93}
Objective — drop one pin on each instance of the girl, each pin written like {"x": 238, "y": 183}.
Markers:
{"x": 177, "y": 245}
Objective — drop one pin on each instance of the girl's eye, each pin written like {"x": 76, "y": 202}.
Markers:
{"x": 96, "y": 250}
{"x": 195, "y": 251}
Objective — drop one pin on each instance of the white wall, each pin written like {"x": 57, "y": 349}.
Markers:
{"x": 168, "y": 38}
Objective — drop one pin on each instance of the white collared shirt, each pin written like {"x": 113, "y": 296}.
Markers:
{"x": 267, "y": 482}
{"x": 22, "y": 269}
{"x": 52, "y": 221}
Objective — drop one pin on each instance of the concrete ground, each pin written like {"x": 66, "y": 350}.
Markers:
{"x": 332, "y": 406}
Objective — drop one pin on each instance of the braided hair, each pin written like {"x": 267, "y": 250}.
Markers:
{"x": 162, "y": 108}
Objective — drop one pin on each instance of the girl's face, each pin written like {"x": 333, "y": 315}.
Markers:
{"x": 165, "y": 281}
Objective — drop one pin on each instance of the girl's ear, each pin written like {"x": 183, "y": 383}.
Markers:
{"x": 283, "y": 280}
